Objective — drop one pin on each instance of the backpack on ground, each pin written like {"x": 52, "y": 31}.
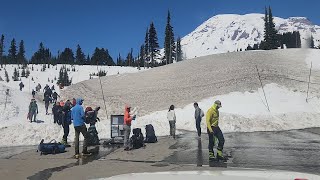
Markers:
{"x": 136, "y": 140}
{"x": 150, "y": 134}
{"x": 93, "y": 138}
{"x": 51, "y": 148}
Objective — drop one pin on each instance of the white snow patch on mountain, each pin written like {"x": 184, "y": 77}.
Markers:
{"x": 232, "y": 32}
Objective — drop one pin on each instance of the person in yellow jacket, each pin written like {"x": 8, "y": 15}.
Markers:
{"x": 212, "y": 119}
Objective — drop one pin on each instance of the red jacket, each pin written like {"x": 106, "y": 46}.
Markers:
{"x": 127, "y": 117}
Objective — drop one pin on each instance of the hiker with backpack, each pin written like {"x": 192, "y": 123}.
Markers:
{"x": 46, "y": 103}
{"x": 91, "y": 117}
{"x": 66, "y": 121}
{"x": 127, "y": 127}
{"x": 77, "y": 115}
{"x": 33, "y": 110}
{"x": 171, "y": 116}
{"x": 198, "y": 114}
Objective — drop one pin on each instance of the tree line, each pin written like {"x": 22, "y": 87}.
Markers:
{"x": 148, "y": 55}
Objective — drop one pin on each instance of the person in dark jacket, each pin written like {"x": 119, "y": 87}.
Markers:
{"x": 55, "y": 96}
{"x": 66, "y": 121}
{"x": 46, "y": 103}
{"x": 33, "y": 110}
{"x": 21, "y": 86}
{"x": 33, "y": 93}
{"x": 198, "y": 114}
{"x": 78, "y": 116}
{"x": 52, "y": 88}
{"x": 55, "y": 112}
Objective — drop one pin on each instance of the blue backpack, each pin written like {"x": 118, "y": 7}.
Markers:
{"x": 51, "y": 148}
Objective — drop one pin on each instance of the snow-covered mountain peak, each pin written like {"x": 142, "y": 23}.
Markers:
{"x": 232, "y": 32}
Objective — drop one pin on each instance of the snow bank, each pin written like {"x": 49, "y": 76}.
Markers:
{"x": 246, "y": 112}
{"x": 15, "y": 129}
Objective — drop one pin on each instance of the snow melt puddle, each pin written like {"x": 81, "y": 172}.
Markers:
{"x": 246, "y": 112}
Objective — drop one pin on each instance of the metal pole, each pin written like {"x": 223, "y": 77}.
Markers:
{"x": 265, "y": 97}
{"x": 104, "y": 101}
{"x": 309, "y": 83}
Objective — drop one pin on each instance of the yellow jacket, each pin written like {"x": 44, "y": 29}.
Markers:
{"x": 212, "y": 117}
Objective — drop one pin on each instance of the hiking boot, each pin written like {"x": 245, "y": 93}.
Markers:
{"x": 211, "y": 156}
{"x": 77, "y": 156}
{"x": 220, "y": 155}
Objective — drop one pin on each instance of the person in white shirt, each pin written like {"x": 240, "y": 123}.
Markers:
{"x": 171, "y": 116}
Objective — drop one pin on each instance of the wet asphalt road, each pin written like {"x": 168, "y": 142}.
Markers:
{"x": 294, "y": 150}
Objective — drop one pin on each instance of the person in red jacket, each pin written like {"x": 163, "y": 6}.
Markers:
{"x": 127, "y": 127}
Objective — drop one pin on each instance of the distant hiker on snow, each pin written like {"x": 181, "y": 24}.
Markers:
{"x": 33, "y": 110}
{"x": 46, "y": 87}
{"x": 66, "y": 121}
{"x": 127, "y": 127}
{"x": 46, "y": 103}
{"x": 77, "y": 115}
{"x": 21, "y": 86}
{"x": 38, "y": 87}
{"x": 171, "y": 116}
{"x": 33, "y": 93}
{"x": 55, "y": 96}
{"x": 52, "y": 87}
{"x": 212, "y": 119}
{"x": 198, "y": 114}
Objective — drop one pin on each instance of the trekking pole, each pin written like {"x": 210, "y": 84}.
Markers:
{"x": 265, "y": 97}
{"x": 104, "y": 101}
{"x": 309, "y": 83}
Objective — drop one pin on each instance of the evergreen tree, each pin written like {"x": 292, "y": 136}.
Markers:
{"x": 169, "y": 45}
{"x": 265, "y": 44}
{"x": 142, "y": 56}
{"x": 42, "y": 56}
{"x": 88, "y": 60}
{"x": 21, "y": 54}
{"x": 80, "y": 57}
{"x": 2, "y": 50}
{"x": 15, "y": 76}
{"x": 7, "y": 76}
{"x": 179, "y": 50}
{"x": 101, "y": 57}
{"x": 27, "y": 73}
{"x": 66, "y": 57}
{"x": 60, "y": 79}
{"x": 146, "y": 46}
{"x": 312, "y": 42}
{"x": 12, "y": 55}
{"x": 273, "y": 42}
{"x": 153, "y": 44}
{"x": 23, "y": 73}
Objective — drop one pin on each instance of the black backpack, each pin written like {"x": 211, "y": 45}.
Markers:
{"x": 150, "y": 134}
{"x": 51, "y": 148}
{"x": 93, "y": 138}
{"x": 136, "y": 140}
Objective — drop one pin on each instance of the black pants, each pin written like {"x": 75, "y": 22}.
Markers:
{"x": 46, "y": 105}
{"x": 217, "y": 133}
{"x": 66, "y": 131}
{"x": 83, "y": 130}
{"x": 198, "y": 126}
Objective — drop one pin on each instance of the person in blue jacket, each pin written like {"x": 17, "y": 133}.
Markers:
{"x": 77, "y": 115}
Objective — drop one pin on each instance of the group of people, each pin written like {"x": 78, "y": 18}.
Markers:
{"x": 212, "y": 121}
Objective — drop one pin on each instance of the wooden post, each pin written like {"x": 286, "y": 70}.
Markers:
{"x": 309, "y": 83}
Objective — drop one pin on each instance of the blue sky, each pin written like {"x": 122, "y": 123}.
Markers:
{"x": 119, "y": 25}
